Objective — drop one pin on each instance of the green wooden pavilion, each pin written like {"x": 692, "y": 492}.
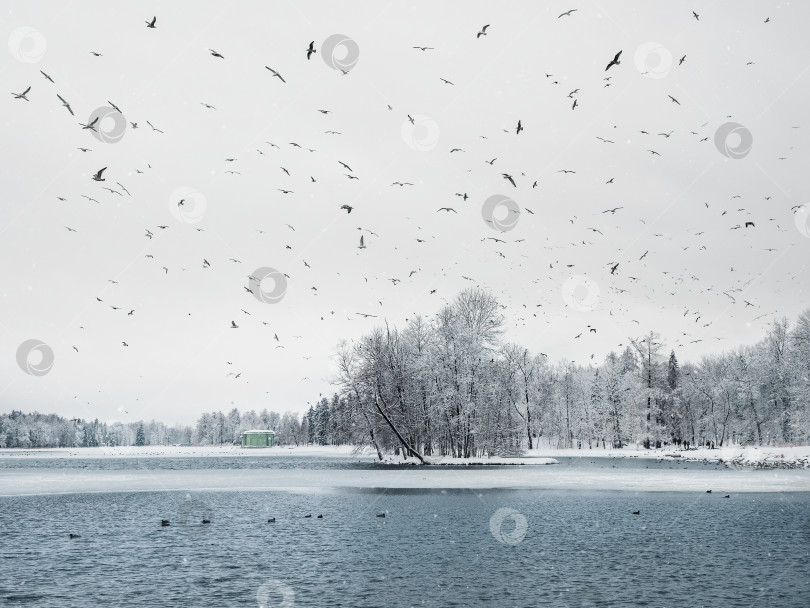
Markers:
{"x": 258, "y": 439}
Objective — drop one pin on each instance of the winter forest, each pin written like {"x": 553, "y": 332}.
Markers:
{"x": 451, "y": 385}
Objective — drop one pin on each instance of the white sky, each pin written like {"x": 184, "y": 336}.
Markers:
{"x": 179, "y": 336}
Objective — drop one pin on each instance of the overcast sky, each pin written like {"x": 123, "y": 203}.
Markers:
{"x": 673, "y": 236}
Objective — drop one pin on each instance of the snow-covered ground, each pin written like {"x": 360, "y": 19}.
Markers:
{"x": 794, "y": 457}
{"x": 751, "y": 456}
{"x": 173, "y": 451}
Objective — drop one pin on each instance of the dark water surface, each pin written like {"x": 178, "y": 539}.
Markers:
{"x": 433, "y": 548}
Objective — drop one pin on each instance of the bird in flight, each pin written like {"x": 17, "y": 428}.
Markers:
{"x": 362, "y": 243}
{"x": 682, "y": 60}
{"x": 97, "y": 177}
{"x": 510, "y": 178}
{"x": 674, "y": 100}
{"x": 696, "y": 16}
{"x": 567, "y": 13}
{"x": 215, "y": 54}
{"x": 445, "y": 81}
{"x": 614, "y": 61}
{"x": 22, "y": 95}
{"x": 519, "y": 128}
{"x": 276, "y": 74}
{"x": 448, "y": 209}
{"x": 483, "y": 31}
{"x": 151, "y": 24}
{"x": 424, "y": 48}
{"x": 348, "y": 208}
{"x": 311, "y": 49}
{"x": 66, "y": 104}
{"x": 46, "y": 76}
{"x": 91, "y": 125}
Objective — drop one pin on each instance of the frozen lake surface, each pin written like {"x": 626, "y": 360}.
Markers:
{"x": 457, "y": 536}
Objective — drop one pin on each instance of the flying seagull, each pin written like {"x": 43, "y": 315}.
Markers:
{"x": 151, "y": 24}
{"x": 97, "y": 177}
{"x": 66, "y": 104}
{"x": 311, "y": 50}
{"x": 348, "y": 208}
{"x": 510, "y": 178}
{"x": 276, "y": 74}
{"x": 22, "y": 95}
{"x": 614, "y": 61}
{"x": 46, "y": 76}
{"x": 215, "y": 54}
{"x": 567, "y": 13}
{"x": 519, "y": 128}
{"x": 483, "y": 31}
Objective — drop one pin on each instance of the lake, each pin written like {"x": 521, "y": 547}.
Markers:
{"x": 456, "y": 546}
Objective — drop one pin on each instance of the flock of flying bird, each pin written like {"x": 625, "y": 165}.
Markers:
{"x": 622, "y": 266}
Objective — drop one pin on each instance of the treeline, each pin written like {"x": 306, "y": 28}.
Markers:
{"x": 34, "y": 430}
{"x": 21, "y": 430}
{"x": 451, "y": 386}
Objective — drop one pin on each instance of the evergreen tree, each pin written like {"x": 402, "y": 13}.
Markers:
{"x": 140, "y": 437}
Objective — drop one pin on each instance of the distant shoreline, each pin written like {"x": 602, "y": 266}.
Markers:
{"x": 793, "y": 457}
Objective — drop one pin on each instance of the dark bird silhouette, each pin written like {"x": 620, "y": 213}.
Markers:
{"x": 674, "y": 100}
{"x": 22, "y": 95}
{"x": 97, "y": 177}
{"x": 348, "y": 208}
{"x": 74, "y": 535}
{"x": 636, "y": 512}
{"x": 483, "y": 31}
{"x": 151, "y": 24}
{"x": 614, "y": 61}
{"x": 276, "y": 74}
{"x": 164, "y": 522}
{"x": 66, "y": 104}
{"x": 696, "y": 16}
{"x": 446, "y": 209}
{"x": 311, "y": 49}
{"x": 362, "y": 243}
{"x": 519, "y": 128}
{"x": 510, "y": 178}
{"x": 272, "y": 520}
{"x": 380, "y": 514}
{"x": 567, "y": 13}
{"x": 749, "y": 225}
{"x": 46, "y": 76}
{"x": 215, "y": 54}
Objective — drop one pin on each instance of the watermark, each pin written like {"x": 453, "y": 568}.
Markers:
{"x": 27, "y": 44}
{"x": 259, "y": 276}
{"x": 801, "y": 218}
{"x": 653, "y": 60}
{"x": 733, "y": 140}
{"x": 581, "y": 293}
{"x": 187, "y": 205}
{"x": 507, "y": 536}
{"x": 35, "y": 357}
{"x": 340, "y": 52}
{"x": 275, "y": 594}
{"x": 495, "y": 205}
{"x": 103, "y": 130}
{"x": 420, "y": 132}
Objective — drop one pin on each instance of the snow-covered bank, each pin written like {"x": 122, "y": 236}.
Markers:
{"x": 175, "y": 451}
{"x": 733, "y": 456}
{"x": 792, "y": 457}
{"x": 451, "y": 461}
